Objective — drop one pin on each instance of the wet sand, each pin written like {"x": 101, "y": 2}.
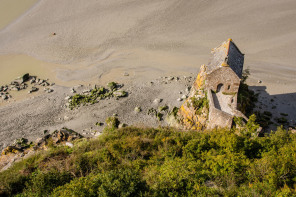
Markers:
{"x": 94, "y": 38}
{"x": 10, "y": 10}
{"x": 13, "y": 66}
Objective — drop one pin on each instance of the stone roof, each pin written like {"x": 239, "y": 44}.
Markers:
{"x": 228, "y": 55}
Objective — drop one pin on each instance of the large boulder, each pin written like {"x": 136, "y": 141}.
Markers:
{"x": 22, "y": 79}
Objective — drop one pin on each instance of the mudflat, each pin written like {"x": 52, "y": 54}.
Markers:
{"x": 10, "y": 10}
{"x": 95, "y": 42}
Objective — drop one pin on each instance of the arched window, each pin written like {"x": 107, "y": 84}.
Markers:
{"x": 219, "y": 87}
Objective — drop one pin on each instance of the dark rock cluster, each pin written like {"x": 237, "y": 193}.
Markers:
{"x": 22, "y": 83}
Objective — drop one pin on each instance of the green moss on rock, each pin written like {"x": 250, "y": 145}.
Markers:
{"x": 112, "y": 122}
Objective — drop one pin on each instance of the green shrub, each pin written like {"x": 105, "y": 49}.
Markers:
{"x": 121, "y": 182}
{"x": 112, "y": 86}
{"x": 82, "y": 99}
{"x": 199, "y": 103}
{"x": 162, "y": 162}
{"x": 112, "y": 122}
{"x": 43, "y": 183}
{"x": 246, "y": 98}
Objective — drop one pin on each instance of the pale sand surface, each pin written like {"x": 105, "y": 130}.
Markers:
{"x": 167, "y": 36}
{"x": 97, "y": 41}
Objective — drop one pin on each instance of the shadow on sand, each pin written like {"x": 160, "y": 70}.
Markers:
{"x": 282, "y": 107}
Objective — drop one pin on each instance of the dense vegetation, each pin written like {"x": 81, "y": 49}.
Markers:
{"x": 161, "y": 162}
{"x": 246, "y": 98}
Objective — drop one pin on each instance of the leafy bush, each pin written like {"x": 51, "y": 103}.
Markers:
{"x": 121, "y": 182}
{"x": 43, "y": 183}
{"x": 199, "y": 103}
{"x": 246, "y": 98}
{"x": 112, "y": 122}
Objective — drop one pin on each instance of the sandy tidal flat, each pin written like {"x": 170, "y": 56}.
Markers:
{"x": 11, "y": 10}
{"x": 73, "y": 42}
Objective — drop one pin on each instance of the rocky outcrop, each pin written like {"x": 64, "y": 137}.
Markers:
{"x": 193, "y": 114}
{"x": 212, "y": 102}
{"x": 22, "y": 148}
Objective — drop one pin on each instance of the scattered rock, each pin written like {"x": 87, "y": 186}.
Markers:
{"x": 120, "y": 93}
{"x": 25, "y": 77}
{"x": 121, "y": 125}
{"x": 156, "y": 101}
{"x": 259, "y": 81}
{"x": 152, "y": 112}
{"x": 67, "y": 97}
{"x": 137, "y": 109}
{"x": 184, "y": 96}
{"x": 11, "y": 149}
{"x": 187, "y": 90}
{"x": 64, "y": 135}
{"x": 163, "y": 108}
{"x": 170, "y": 78}
{"x": 66, "y": 118}
{"x": 41, "y": 81}
{"x": 73, "y": 90}
{"x": 32, "y": 81}
{"x": 125, "y": 74}
{"x": 15, "y": 89}
{"x": 34, "y": 89}
{"x": 49, "y": 90}
{"x": 159, "y": 116}
{"x": 179, "y": 99}
{"x": 99, "y": 124}
{"x": 4, "y": 97}
{"x": 85, "y": 91}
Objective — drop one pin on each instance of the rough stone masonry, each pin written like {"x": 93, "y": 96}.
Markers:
{"x": 212, "y": 102}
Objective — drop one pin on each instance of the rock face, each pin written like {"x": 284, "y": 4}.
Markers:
{"x": 212, "y": 101}
{"x": 194, "y": 112}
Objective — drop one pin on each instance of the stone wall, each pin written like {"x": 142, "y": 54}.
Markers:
{"x": 217, "y": 118}
{"x": 225, "y": 76}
